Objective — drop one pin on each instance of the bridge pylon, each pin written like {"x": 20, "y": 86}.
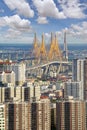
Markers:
{"x": 55, "y": 51}
{"x": 36, "y": 51}
{"x": 43, "y": 52}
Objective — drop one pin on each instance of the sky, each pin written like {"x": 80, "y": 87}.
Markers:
{"x": 20, "y": 19}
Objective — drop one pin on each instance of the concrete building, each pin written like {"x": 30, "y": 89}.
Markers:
{"x": 20, "y": 93}
{"x": 7, "y": 77}
{"x": 85, "y": 79}
{"x": 26, "y": 94}
{"x": 19, "y": 70}
{"x": 36, "y": 89}
{"x": 10, "y": 77}
{"x": 78, "y": 70}
{"x": 53, "y": 116}
{"x": 18, "y": 116}
{"x": 74, "y": 89}
{"x": 2, "y": 77}
{"x": 26, "y": 115}
{"x": 2, "y": 117}
{"x": 80, "y": 73}
{"x": 6, "y": 94}
{"x": 71, "y": 115}
{"x": 41, "y": 115}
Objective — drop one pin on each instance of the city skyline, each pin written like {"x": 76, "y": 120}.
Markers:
{"x": 19, "y": 22}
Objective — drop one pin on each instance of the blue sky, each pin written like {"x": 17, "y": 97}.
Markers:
{"x": 20, "y": 19}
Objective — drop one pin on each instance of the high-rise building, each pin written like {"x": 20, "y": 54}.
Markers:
{"x": 2, "y": 117}
{"x": 25, "y": 115}
{"x": 7, "y": 77}
{"x": 19, "y": 70}
{"x": 74, "y": 89}
{"x": 36, "y": 90}
{"x": 71, "y": 115}
{"x": 25, "y": 94}
{"x": 2, "y": 77}
{"x": 5, "y": 94}
{"x": 78, "y": 71}
{"x": 10, "y": 77}
{"x": 20, "y": 93}
{"x": 53, "y": 116}
{"x": 85, "y": 79}
{"x": 41, "y": 115}
{"x": 18, "y": 116}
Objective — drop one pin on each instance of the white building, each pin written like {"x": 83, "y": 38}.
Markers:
{"x": 10, "y": 77}
{"x": 2, "y": 77}
{"x": 19, "y": 70}
{"x": 36, "y": 91}
{"x": 2, "y": 117}
{"x": 7, "y": 77}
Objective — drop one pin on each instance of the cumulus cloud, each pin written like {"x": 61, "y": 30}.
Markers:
{"x": 14, "y": 26}
{"x": 15, "y": 22}
{"x": 76, "y": 33}
{"x": 79, "y": 29}
{"x": 42, "y": 20}
{"x": 47, "y": 8}
{"x": 72, "y": 8}
{"x": 21, "y": 6}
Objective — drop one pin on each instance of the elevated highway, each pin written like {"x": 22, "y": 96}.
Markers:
{"x": 48, "y": 63}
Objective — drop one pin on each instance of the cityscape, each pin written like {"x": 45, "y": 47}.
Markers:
{"x": 43, "y": 65}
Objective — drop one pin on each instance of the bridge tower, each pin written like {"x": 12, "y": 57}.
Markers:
{"x": 57, "y": 50}
{"x": 51, "y": 47}
{"x": 35, "y": 47}
{"x": 54, "y": 52}
{"x": 43, "y": 53}
{"x": 65, "y": 47}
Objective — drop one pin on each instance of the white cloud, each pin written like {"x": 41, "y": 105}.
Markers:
{"x": 72, "y": 8}
{"x": 11, "y": 33}
{"x": 14, "y": 27}
{"x": 76, "y": 33}
{"x": 21, "y": 6}
{"x": 47, "y": 8}
{"x": 42, "y": 20}
{"x": 80, "y": 29}
{"x": 15, "y": 22}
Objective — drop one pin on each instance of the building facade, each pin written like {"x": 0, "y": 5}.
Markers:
{"x": 74, "y": 89}
{"x": 71, "y": 115}
{"x": 25, "y": 115}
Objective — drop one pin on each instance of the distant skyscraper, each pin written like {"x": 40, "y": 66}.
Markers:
{"x": 71, "y": 115}
{"x": 78, "y": 71}
{"x": 85, "y": 79}
{"x": 19, "y": 70}
{"x": 74, "y": 89}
